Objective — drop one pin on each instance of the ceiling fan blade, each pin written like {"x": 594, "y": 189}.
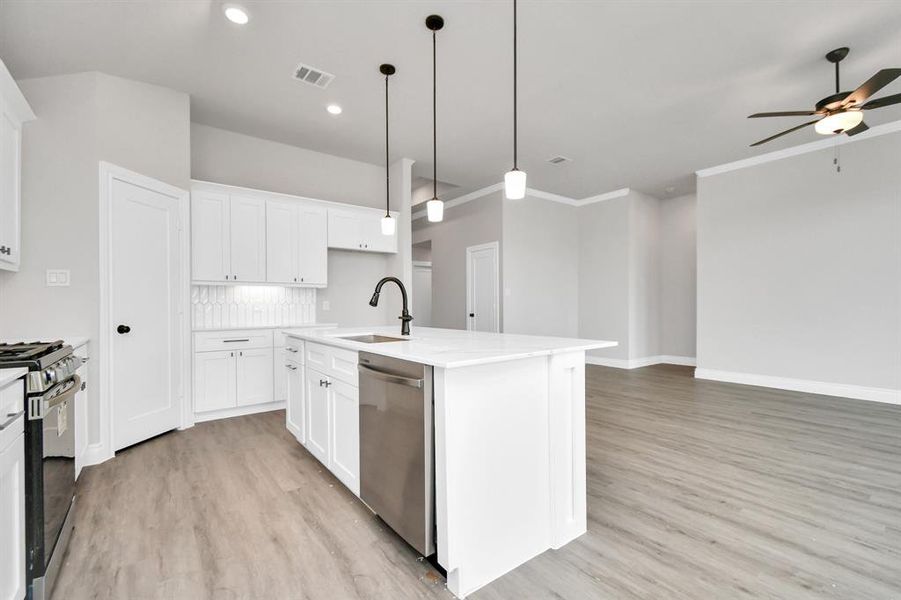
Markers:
{"x": 872, "y": 85}
{"x": 788, "y": 113}
{"x": 880, "y": 102}
{"x": 773, "y": 137}
{"x": 859, "y": 129}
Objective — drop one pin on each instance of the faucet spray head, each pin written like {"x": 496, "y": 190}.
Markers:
{"x": 374, "y": 301}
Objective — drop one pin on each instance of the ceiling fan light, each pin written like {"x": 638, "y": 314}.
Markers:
{"x": 515, "y": 184}
{"x": 839, "y": 122}
{"x": 434, "y": 210}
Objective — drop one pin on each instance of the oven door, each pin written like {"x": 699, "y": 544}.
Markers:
{"x": 58, "y": 464}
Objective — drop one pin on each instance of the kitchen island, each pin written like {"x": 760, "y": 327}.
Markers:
{"x": 509, "y": 437}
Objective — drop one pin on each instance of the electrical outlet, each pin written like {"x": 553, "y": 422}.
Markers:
{"x": 326, "y": 305}
{"x": 58, "y": 277}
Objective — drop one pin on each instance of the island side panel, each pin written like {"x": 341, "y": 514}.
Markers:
{"x": 492, "y": 477}
{"x": 566, "y": 398}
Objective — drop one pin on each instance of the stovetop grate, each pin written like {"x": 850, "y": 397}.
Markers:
{"x": 27, "y": 351}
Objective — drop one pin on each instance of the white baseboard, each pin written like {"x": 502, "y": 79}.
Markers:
{"x": 843, "y": 390}
{"x": 238, "y": 412}
{"x": 635, "y": 363}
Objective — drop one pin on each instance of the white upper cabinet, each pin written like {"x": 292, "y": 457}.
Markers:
{"x": 313, "y": 241}
{"x": 210, "y": 236}
{"x": 359, "y": 229}
{"x": 296, "y": 243}
{"x": 281, "y": 241}
{"x": 14, "y": 111}
{"x": 248, "y": 239}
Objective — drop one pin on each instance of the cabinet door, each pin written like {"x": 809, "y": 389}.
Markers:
{"x": 279, "y": 375}
{"x": 375, "y": 240}
{"x": 214, "y": 380}
{"x": 12, "y": 520}
{"x": 317, "y": 415}
{"x": 210, "y": 237}
{"x": 281, "y": 242}
{"x": 344, "y": 454}
{"x": 248, "y": 239}
{"x": 313, "y": 245}
{"x": 295, "y": 410}
{"x": 344, "y": 230}
{"x": 254, "y": 381}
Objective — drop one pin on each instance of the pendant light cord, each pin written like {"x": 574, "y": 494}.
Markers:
{"x": 434, "y": 116}
{"x": 387, "y": 160}
{"x": 515, "y": 157}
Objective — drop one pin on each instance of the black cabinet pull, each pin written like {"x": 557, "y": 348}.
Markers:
{"x": 123, "y": 329}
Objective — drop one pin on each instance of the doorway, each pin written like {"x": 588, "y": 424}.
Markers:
{"x": 482, "y": 288}
{"x": 144, "y": 287}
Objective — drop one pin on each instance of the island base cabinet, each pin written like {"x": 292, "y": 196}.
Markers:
{"x": 333, "y": 426}
{"x": 317, "y": 400}
{"x": 12, "y": 519}
{"x": 295, "y": 409}
{"x": 344, "y": 402}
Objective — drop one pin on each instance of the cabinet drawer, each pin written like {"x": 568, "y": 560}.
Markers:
{"x": 334, "y": 362}
{"x": 211, "y": 341}
{"x": 294, "y": 351}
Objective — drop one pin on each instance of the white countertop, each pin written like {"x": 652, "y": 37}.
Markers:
{"x": 261, "y": 327}
{"x": 9, "y": 375}
{"x": 450, "y": 348}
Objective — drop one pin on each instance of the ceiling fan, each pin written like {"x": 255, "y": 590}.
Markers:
{"x": 841, "y": 112}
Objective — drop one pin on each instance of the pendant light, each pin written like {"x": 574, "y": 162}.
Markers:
{"x": 514, "y": 180}
{"x": 389, "y": 223}
{"x": 434, "y": 208}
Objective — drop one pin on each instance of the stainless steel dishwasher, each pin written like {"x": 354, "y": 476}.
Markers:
{"x": 397, "y": 446}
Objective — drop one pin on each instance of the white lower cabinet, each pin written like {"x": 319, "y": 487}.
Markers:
{"x": 295, "y": 407}
{"x": 344, "y": 434}
{"x": 254, "y": 376}
{"x": 317, "y": 401}
{"x": 333, "y": 426}
{"x": 12, "y": 508}
{"x": 215, "y": 380}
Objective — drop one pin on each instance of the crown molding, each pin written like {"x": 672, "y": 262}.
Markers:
{"x": 823, "y": 144}
{"x": 485, "y": 191}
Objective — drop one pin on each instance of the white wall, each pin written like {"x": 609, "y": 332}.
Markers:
{"x": 604, "y": 274}
{"x": 236, "y": 159}
{"x": 644, "y": 276}
{"x": 799, "y": 267}
{"x": 540, "y": 268}
{"x": 81, "y": 120}
{"x": 232, "y": 158}
{"x": 678, "y": 276}
{"x": 469, "y": 224}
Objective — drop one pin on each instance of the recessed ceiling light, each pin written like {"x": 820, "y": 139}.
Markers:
{"x": 236, "y": 14}
{"x": 333, "y": 109}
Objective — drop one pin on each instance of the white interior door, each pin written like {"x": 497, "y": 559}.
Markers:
{"x": 145, "y": 358}
{"x": 482, "y": 285}
{"x": 422, "y": 295}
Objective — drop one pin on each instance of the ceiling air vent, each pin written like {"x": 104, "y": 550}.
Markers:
{"x": 559, "y": 160}
{"x": 313, "y": 76}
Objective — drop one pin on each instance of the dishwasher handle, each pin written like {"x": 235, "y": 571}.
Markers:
{"x": 390, "y": 377}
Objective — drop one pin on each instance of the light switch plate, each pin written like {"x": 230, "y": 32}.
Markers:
{"x": 326, "y": 305}
{"x": 58, "y": 277}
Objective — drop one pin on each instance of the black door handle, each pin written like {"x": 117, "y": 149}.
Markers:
{"x": 472, "y": 314}
{"x": 123, "y": 329}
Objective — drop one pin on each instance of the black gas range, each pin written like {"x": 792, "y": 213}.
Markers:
{"x": 51, "y": 385}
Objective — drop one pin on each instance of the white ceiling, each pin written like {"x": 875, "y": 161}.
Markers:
{"x": 638, "y": 94}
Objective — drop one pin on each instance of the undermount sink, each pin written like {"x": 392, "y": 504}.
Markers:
{"x": 371, "y": 338}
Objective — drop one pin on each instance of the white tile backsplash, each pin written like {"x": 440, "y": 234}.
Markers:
{"x": 218, "y": 306}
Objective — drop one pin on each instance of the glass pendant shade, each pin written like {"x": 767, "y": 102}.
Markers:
{"x": 515, "y": 184}
{"x": 389, "y": 225}
{"x": 435, "y": 210}
{"x": 839, "y": 122}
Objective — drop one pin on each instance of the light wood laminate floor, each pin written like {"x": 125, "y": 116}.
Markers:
{"x": 696, "y": 489}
